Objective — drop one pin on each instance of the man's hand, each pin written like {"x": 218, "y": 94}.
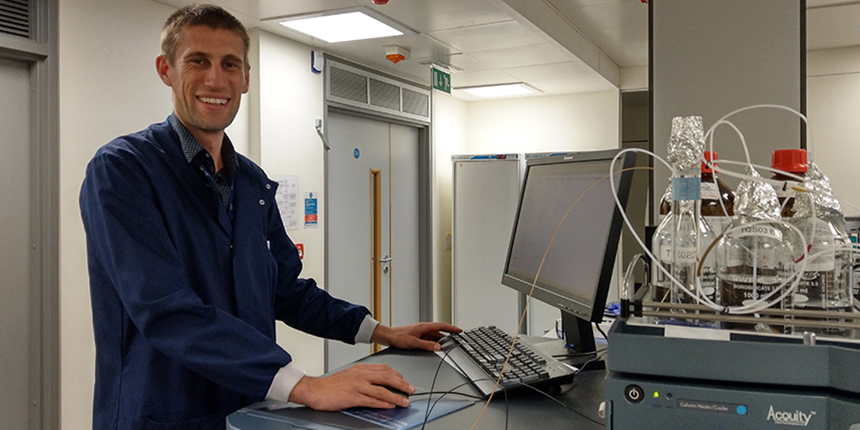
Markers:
{"x": 358, "y": 385}
{"x": 415, "y": 336}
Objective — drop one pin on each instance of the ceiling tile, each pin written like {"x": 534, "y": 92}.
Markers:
{"x": 433, "y": 15}
{"x": 567, "y": 4}
{"x": 566, "y": 70}
{"x": 490, "y": 36}
{"x": 519, "y": 56}
{"x": 619, "y": 29}
{"x": 487, "y": 77}
{"x": 280, "y": 8}
{"x": 467, "y": 62}
{"x": 569, "y": 86}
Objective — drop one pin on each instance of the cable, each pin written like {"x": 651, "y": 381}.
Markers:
{"x": 562, "y": 403}
{"x": 433, "y": 385}
{"x": 597, "y": 325}
{"x": 583, "y": 366}
{"x": 577, "y": 354}
{"x": 452, "y": 391}
{"x": 535, "y": 389}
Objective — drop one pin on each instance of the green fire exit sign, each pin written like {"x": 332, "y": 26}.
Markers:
{"x": 441, "y": 80}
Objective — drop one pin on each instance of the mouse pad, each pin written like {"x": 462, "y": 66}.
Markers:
{"x": 413, "y": 416}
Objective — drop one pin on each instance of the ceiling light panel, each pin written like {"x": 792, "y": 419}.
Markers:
{"x": 355, "y": 25}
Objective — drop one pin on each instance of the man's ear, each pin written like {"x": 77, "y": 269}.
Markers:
{"x": 162, "y": 66}
{"x": 247, "y": 79}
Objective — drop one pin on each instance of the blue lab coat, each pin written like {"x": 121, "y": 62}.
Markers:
{"x": 185, "y": 299}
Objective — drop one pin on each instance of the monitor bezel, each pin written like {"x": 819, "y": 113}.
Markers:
{"x": 584, "y": 308}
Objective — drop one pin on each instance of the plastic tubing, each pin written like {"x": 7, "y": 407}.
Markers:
{"x": 809, "y": 146}
{"x": 757, "y": 305}
{"x": 754, "y": 307}
{"x": 630, "y": 225}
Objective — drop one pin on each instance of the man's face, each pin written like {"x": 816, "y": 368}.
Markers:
{"x": 208, "y": 77}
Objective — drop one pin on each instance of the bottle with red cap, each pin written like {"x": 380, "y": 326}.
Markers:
{"x": 791, "y": 161}
{"x": 713, "y": 192}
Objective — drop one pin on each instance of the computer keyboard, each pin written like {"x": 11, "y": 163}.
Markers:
{"x": 480, "y": 354}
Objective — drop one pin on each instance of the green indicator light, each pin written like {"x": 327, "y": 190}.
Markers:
{"x": 656, "y": 395}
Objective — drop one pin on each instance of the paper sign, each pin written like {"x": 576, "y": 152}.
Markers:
{"x": 311, "y": 208}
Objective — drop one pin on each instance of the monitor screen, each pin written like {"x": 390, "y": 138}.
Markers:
{"x": 577, "y": 270}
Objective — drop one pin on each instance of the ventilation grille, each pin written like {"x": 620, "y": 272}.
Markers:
{"x": 348, "y": 85}
{"x": 385, "y": 95}
{"x": 416, "y": 103}
{"x": 15, "y": 17}
{"x": 366, "y": 90}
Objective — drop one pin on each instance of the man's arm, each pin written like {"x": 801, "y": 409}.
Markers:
{"x": 363, "y": 384}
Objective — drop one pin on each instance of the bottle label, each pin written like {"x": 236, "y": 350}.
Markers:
{"x": 757, "y": 230}
{"x": 710, "y": 191}
{"x": 811, "y": 286}
{"x": 709, "y": 282}
{"x": 683, "y": 254}
{"x": 686, "y": 188}
{"x": 742, "y": 291}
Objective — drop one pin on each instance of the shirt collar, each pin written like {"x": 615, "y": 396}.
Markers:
{"x": 191, "y": 146}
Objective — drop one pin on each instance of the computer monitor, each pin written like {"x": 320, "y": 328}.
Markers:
{"x": 576, "y": 274}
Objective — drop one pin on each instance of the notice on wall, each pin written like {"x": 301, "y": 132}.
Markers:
{"x": 311, "y": 210}
{"x": 287, "y": 198}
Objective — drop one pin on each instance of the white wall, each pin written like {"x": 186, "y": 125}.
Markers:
{"x": 833, "y": 108}
{"x": 572, "y": 122}
{"x": 449, "y": 134}
{"x": 288, "y": 99}
{"x": 108, "y": 87}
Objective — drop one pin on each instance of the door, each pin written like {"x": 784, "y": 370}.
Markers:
{"x": 372, "y": 168}
{"x": 15, "y": 299}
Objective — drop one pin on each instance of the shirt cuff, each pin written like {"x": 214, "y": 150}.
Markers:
{"x": 365, "y": 331}
{"x": 283, "y": 383}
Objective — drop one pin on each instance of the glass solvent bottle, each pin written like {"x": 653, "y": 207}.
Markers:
{"x": 718, "y": 200}
{"x": 755, "y": 254}
{"x": 683, "y": 235}
{"x": 827, "y": 280}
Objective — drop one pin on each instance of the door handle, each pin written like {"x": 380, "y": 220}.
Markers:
{"x": 385, "y": 259}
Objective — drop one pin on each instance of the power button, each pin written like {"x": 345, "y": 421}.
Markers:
{"x": 634, "y": 393}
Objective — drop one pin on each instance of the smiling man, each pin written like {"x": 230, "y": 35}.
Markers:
{"x": 190, "y": 265}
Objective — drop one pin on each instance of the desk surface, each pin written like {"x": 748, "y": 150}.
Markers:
{"x": 525, "y": 409}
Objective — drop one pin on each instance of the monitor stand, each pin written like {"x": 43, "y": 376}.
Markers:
{"x": 580, "y": 347}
